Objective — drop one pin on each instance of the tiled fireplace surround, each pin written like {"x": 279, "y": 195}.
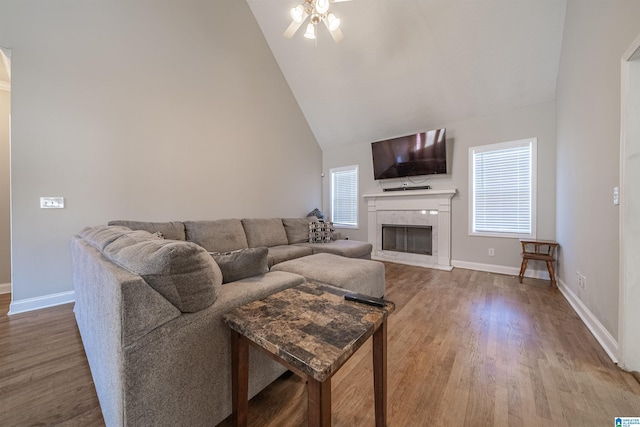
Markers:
{"x": 412, "y": 207}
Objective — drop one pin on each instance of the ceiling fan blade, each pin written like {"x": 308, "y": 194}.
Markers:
{"x": 337, "y": 35}
{"x": 339, "y": 1}
{"x": 293, "y": 27}
{"x": 291, "y": 30}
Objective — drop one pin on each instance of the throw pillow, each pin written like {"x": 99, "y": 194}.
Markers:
{"x": 317, "y": 213}
{"x": 320, "y": 232}
{"x": 242, "y": 263}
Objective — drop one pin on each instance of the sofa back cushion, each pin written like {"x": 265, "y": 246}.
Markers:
{"x": 264, "y": 232}
{"x": 173, "y": 230}
{"x": 182, "y": 272}
{"x": 223, "y": 235}
{"x": 297, "y": 229}
{"x": 243, "y": 263}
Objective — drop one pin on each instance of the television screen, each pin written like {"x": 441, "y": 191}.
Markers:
{"x": 419, "y": 154}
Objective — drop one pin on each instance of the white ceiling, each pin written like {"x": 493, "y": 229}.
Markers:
{"x": 412, "y": 65}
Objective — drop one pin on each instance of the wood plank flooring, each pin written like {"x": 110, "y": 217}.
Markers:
{"x": 465, "y": 348}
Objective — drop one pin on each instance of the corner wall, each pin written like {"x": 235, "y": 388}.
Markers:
{"x": 148, "y": 110}
{"x": 468, "y": 251}
{"x": 588, "y": 103}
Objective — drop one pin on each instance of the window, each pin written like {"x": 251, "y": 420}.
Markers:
{"x": 344, "y": 196}
{"x": 502, "y": 183}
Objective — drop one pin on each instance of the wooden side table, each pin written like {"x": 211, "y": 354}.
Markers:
{"x": 311, "y": 330}
{"x": 540, "y": 250}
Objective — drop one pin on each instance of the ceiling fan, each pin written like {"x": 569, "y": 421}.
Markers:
{"x": 317, "y": 11}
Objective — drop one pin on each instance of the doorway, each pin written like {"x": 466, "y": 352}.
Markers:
{"x": 628, "y": 333}
{"x": 5, "y": 197}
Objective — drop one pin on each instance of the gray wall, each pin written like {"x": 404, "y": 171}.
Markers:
{"x": 5, "y": 214}
{"x": 588, "y": 102}
{"x": 150, "y": 110}
{"x": 535, "y": 121}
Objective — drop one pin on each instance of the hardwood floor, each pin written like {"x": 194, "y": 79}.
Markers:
{"x": 466, "y": 348}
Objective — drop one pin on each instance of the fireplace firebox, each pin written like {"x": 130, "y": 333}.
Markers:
{"x": 415, "y": 239}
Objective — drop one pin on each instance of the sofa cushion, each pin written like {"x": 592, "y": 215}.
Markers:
{"x": 264, "y": 232}
{"x": 358, "y": 275}
{"x": 242, "y": 263}
{"x": 278, "y": 254}
{"x": 173, "y": 230}
{"x": 346, "y": 248}
{"x": 102, "y": 235}
{"x": 182, "y": 272}
{"x": 297, "y": 229}
{"x": 223, "y": 235}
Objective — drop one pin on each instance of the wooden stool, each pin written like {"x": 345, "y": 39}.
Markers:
{"x": 543, "y": 250}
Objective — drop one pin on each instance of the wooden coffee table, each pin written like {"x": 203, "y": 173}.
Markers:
{"x": 311, "y": 330}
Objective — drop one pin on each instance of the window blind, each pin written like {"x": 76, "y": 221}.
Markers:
{"x": 503, "y": 188}
{"x": 344, "y": 196}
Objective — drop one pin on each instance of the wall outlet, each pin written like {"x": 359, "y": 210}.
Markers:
{"x": 492, "y": 252}
{"x": 581, "y": 280}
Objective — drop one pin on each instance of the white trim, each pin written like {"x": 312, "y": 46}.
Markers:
{"x": 5, "y": 288}
{"x": 6, "y": 86}
{"x": 37, "y": 303}
{"x": 501, "y": 269}
{"x": 623, "y": 241}
{"x": 606, "y": 340}
{"x": 383, "y": 256}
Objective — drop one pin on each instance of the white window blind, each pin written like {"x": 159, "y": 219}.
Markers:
{"x": 344, "y": 196}
{"x": 502, "y": 182}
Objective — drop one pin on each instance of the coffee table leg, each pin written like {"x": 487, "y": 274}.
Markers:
{"x": 380, "y": 374}
{"x": 239, "y": 379}
{"x": 319, "y": 402}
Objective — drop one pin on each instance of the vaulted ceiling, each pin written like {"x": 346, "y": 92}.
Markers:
{"x": 412, "y": 65}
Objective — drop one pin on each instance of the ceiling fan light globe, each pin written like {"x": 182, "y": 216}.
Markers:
{"x": 297, "y": 14}
{"x": 334, "y": 23}
{"x": 311, "y": 32}
{"x": 322, "y": 6}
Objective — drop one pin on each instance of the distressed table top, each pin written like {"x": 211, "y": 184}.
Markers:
{"x": 311, "y": 326}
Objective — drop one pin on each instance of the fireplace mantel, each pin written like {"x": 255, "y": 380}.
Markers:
{"x": 432, "y": 207}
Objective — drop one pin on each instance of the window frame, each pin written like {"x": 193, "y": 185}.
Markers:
{"x": 332, "y": 173}
{"x": 533, "y": 143}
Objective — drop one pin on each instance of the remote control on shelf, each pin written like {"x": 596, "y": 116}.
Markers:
{"x": 365, "y": 299}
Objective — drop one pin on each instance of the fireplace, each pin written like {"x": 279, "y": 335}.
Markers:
{"x": 411, "y": 227}
{"x": 413, "y": 239}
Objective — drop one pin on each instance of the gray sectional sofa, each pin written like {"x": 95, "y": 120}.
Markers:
{"x": 149, "y": 301}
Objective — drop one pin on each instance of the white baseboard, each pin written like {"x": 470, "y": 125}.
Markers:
{"x": 5, "y": 288}
{"x": 606, "y": 340}
{"x": 501, "y": 269}
{"x": 30, "y": 304}
{"x": 608, "y": 343}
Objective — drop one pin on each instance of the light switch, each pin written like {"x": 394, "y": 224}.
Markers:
{"x": 616, "y": 196}
{"x": 51, "y": 202}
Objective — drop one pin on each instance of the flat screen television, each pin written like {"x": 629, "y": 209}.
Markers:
{"x": 419, "y": 154}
